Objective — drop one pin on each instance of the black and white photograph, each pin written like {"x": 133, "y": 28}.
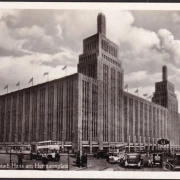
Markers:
{"x": 89, "y": 89}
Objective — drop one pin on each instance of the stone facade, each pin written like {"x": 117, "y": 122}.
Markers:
{"x": 90, "y": 110}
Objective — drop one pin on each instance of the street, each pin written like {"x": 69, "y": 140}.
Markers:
{"x": 93, "y": 164}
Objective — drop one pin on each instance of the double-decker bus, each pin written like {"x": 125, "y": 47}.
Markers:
{"x": 48, "y": 144}
{"x": 116, "y": 153}
{"x": 25, "y": 149}
{"x": 16, "y": 148}
{"x": 49, "y": 148}
{"x": 117, "y": 149}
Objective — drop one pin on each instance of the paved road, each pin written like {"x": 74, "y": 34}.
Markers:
{"x": 94, "y": 164}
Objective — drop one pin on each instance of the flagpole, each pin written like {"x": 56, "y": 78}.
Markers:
{"x": 47, "y": 77}
{"x": 66, "y": 70}
{"x": 7, "y": 89}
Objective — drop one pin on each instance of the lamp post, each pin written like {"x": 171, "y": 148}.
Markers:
{"x": 68, "y": 159}
{"x": 10, "y": 156}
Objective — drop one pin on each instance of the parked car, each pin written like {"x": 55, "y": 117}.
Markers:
{"x": 115, "y": 157}
{"x": 32, "y": 155}
{"x": 132, "y": 159}
{"x": 146, "y": 159}
{"x": 174, "y": 163}
{"x": 157, "y": 159}
{"x": 53, "y": 155}
{"x": 100, "y": 154}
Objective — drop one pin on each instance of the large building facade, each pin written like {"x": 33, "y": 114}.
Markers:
{"x": 90, "y": 110}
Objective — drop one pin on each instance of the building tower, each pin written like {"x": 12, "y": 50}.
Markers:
{"x": 101, "y": 24}
{"x": 100, "y": 62}
{"x": 165, "y": 96}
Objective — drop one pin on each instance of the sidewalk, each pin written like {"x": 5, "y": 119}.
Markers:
{"x": 79, "y": 168}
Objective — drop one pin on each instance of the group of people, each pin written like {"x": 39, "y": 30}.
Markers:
{"x": 81, "y": 161}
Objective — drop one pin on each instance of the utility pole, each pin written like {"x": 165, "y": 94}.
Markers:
{"x": 68, "y": 160}
{"x": 10, "y": 156}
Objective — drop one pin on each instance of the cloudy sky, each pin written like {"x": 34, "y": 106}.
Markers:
{"x": 36, "y": 41}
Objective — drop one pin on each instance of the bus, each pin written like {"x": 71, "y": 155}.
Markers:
{"x": 48, "y": 144}
{"x": 49, "y": 148}
{"x": 16, "y": 148}
{"x": 25, "y": 149}
{"x": 117, "y": 149}
{"x": 116, "y": 153}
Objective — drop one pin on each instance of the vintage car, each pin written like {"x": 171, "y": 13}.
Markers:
{"x": 156, "y": 159}
{"x": 146, "y": 159}
{"x": 51, "y": 155}
{"x": 100, "y": 154}
{"x": 115, "y": 157}
{"x": 132, "y": 159}
{"x": 174, "y": 163}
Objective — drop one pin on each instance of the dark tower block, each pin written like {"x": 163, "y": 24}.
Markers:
{"x": 164, "y": 95}
{"x": 101, "y": 24}
{"x": 164, "y": 73}
{"x": 100, "y": 62}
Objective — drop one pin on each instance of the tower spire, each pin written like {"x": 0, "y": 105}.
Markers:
{"x": 164, "y": 73}
{"x": 101, "y": 24}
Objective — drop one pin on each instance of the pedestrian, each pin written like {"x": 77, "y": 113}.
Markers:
{"x": 20, "y": 159}
{"x": 78, "y": 161}
{"x": 85, "y": 162}
{"x": 45, "y": 160}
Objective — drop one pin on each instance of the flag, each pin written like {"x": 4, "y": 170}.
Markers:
{"x": 31, "y": 80}
{"x": 145, "y": 94}
{"x": 126, "y": 86}
{"x": 149, "y": 97}
{"x": 46, "y": 73}
{"x": 64, "y": 67}
{"x": 17, "y": 84}
{"x": 136, "y": 91}
{"x": 6, "y": 87}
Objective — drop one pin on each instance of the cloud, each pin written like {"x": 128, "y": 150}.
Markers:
{"x": 8, "y": 42}
{"x": 36, "y": 41}
{"x": 59, "y": 31}
{"x": 8, "y": 13}
{"x": 170, "y": 45}
{"x": 65, "y": 57}
{"x": 143, "y": 90}
{"x": 176, "y": 17}
{"x": 28, "y": 66}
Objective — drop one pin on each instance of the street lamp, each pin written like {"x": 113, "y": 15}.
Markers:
{"x": 10, "y": 156}
{"x": 68, "y": 159}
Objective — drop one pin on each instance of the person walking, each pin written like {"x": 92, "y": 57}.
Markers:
{"x": 78, "y": 161}
{"x": 20, "y": 159}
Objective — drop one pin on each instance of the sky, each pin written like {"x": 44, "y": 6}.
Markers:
{"x": 36, "y": 41}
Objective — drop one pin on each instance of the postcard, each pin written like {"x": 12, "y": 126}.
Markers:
{"x": 89, "y": 87}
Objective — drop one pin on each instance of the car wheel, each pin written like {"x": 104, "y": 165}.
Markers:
{"x": 167, "y": 167}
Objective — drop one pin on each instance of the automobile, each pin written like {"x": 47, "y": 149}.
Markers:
{"x": 157, "y": 159}
{"x": 32, "y": 155}
{"x": 115, "y": 157}
{"x": 53, "y": 155}
{"x": 132, "y": 159}
{"x": 146, "y": 159}
{"x": 101, "y": 154}
{"x": 174, "y": 163}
